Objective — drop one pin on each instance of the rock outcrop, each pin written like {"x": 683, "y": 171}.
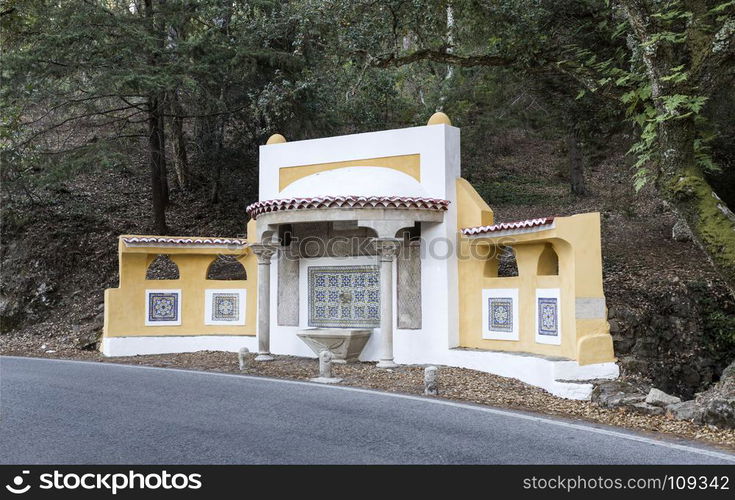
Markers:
{"x": 659, "y": 398}
{"x": 675, "y": 335}
{"x": 716, "y": 406}
{"x": 686, "y": 410}
{"x": 616, "y": 393}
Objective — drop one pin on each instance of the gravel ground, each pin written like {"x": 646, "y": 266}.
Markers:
{"x": 454, "y": 383}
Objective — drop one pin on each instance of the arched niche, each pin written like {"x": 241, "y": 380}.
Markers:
{"x": 226, "y": 267}
{"x": 507, "y": 264}
{"x": 162, "y": 268}
{"x": 548, "y": 262}
{"x": 489, "y": 255}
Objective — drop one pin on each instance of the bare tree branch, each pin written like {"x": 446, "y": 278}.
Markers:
{"x": 437, "y": 55}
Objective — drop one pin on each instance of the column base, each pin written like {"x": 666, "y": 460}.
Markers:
{"x": 324, "y": 380}
{"x": 264, "y": 357}
{"x": 386, "y": 363}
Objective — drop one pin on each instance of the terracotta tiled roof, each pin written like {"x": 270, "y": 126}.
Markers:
{"x": 506, "y": 226}
{"x": 182, "y": 240}
{"x": 266, "y": 206}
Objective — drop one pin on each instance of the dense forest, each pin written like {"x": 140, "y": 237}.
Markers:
{"x": 123, "y": 116}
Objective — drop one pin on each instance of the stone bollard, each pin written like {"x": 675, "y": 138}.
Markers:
{"x": 325, "y": 368}
{"x": 431, "y": 386}
{"x": 242, "y": 358}
{"x": 325, "y": 364}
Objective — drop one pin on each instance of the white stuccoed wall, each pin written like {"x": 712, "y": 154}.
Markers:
{"x": 431, "y": 142}
{"x": 133, "y": 346}
{"x": 439, "y": 150}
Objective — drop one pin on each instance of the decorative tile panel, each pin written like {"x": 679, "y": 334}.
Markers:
{"x": 500, "y": 314}
{"x": 224, "y": 307}
{"x": 344, "y": 296}
{"x": 548, "y": 316}
{"x": 163, "y": 307}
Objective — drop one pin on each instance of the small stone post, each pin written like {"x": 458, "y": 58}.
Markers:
{"x": 241, "y": 358}
{"x": 325, "y": 369}
{"x": 431, "y": 386}
{"x": 325, "y": 364}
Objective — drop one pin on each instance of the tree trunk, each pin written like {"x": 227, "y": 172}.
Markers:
{"x": 157, "y": 160}
{"x": 219, "y": 145}
{"x": 164, "y": 167}
{"x": 216, "y": 175}
{"x": 576, "y": 165}
{"x": 220, "y": 121}
{"x": 156, "y": 131}
{"x": 711, "y": 221}
{"x": 178, "y": 142}
{"x": 446, "y": 82}
{"x": 680, "y": 178}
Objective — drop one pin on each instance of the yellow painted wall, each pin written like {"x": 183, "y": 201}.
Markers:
{"x": 471, "y": 208}
{"x": 576, "y": 242}
{"x": 408, "y": 164}
{"x": 252, "y": 231}
{"x": 474, "y": 262}
{"x": 125, "y": 305}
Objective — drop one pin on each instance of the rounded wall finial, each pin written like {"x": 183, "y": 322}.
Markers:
{"x": 439, "y": 118}
{"x": 276, "y": 139}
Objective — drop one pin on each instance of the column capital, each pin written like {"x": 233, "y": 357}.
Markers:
{"x": 264, "y": 252}
{"x": 387, "y": 248}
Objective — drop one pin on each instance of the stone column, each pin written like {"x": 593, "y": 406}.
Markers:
{"x": 264, "y": 252}
{"x": 387, "y": 250}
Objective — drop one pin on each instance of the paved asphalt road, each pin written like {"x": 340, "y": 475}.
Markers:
{"x": 59, "y": 412}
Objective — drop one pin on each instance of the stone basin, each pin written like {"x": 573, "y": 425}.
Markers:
{"x": 345, "y": 344}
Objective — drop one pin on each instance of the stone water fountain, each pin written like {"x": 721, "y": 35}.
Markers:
{"x": 346, "y": 344}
